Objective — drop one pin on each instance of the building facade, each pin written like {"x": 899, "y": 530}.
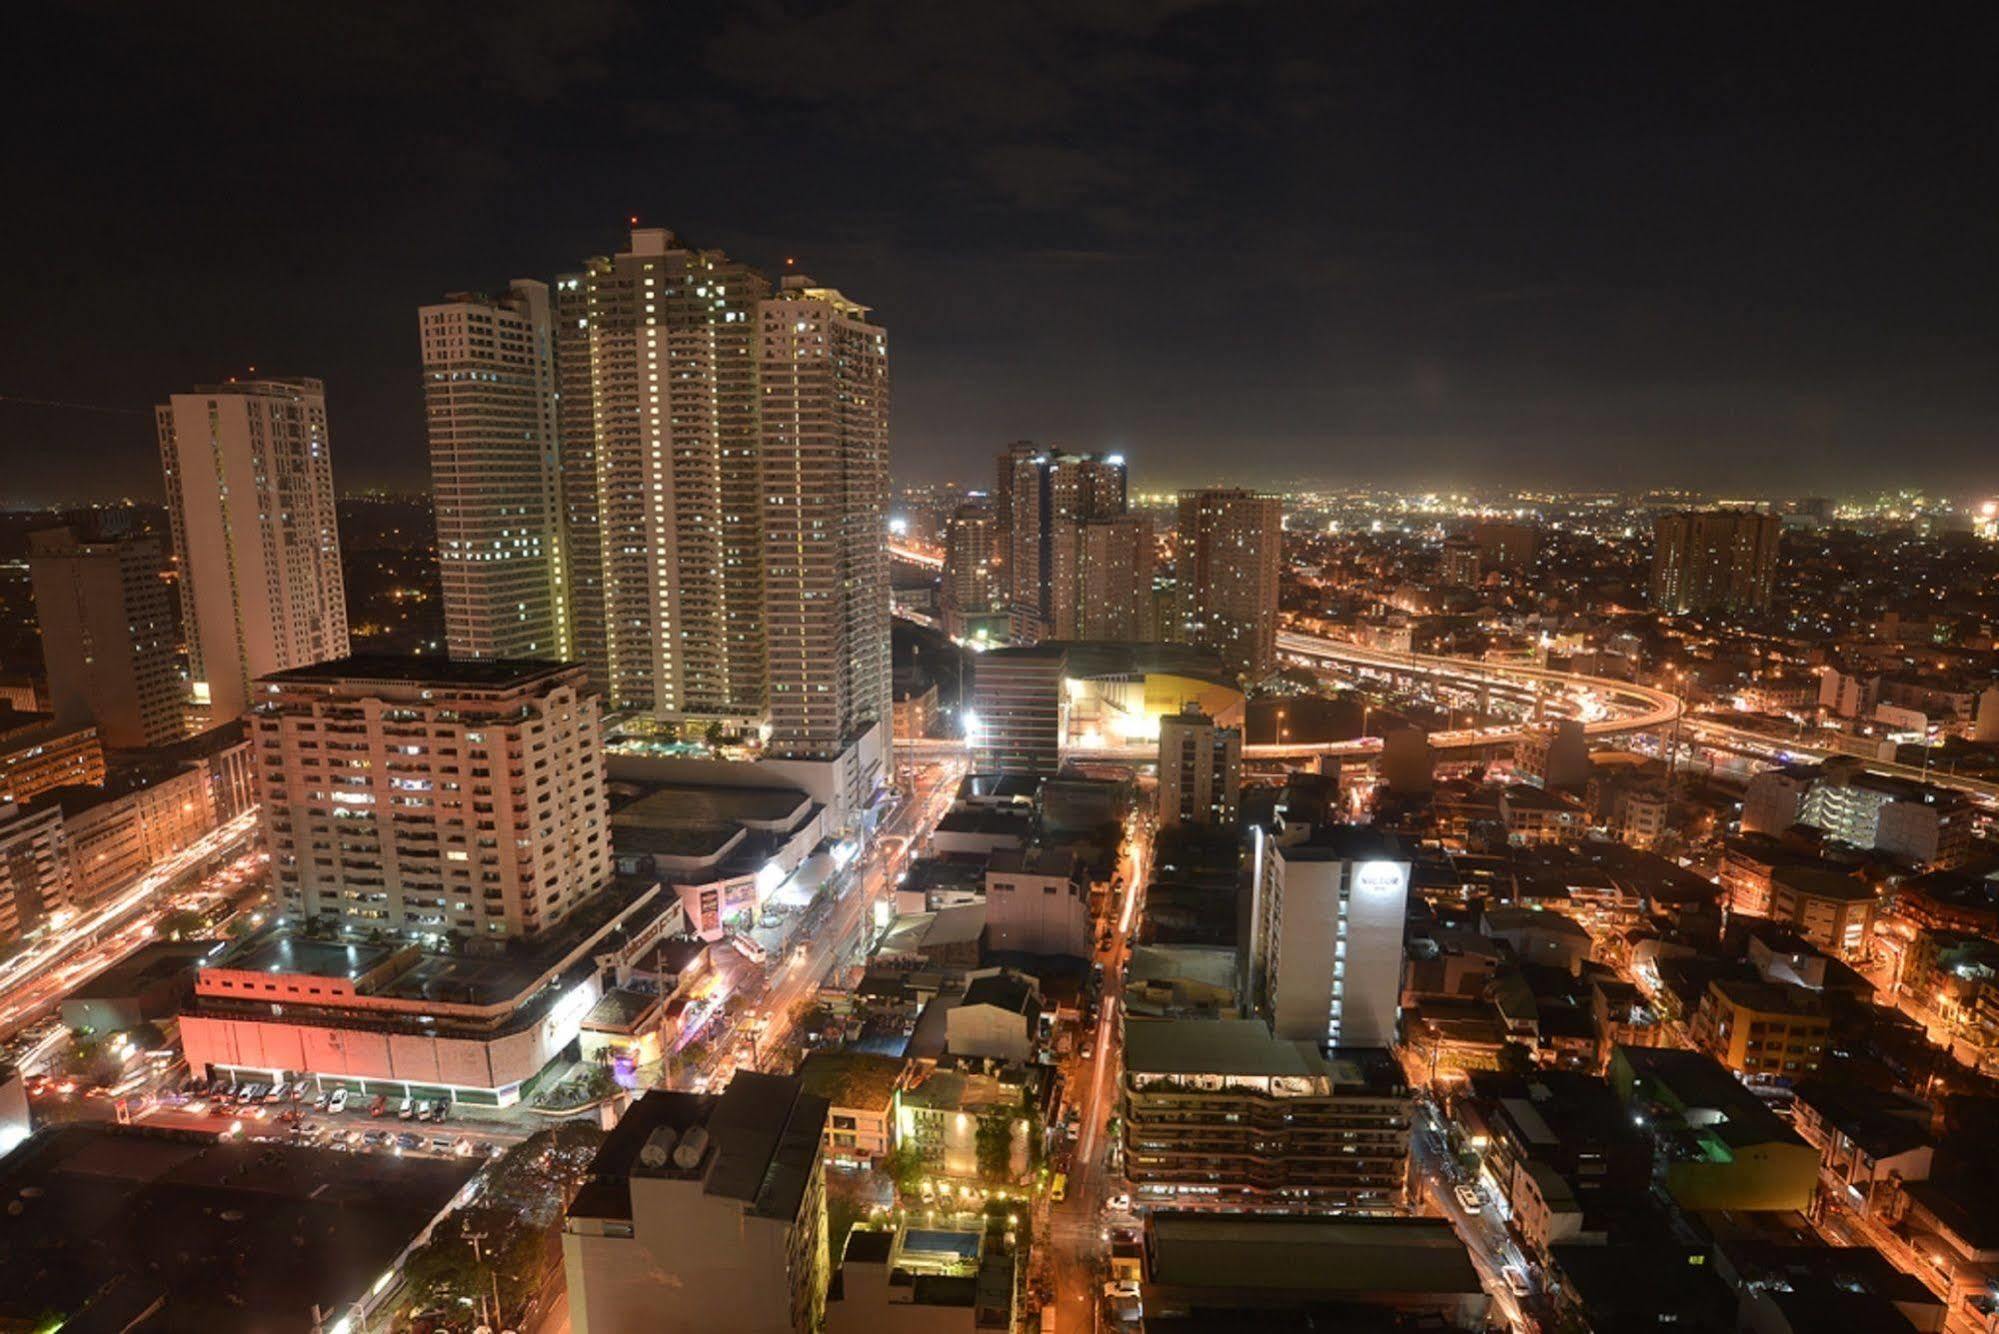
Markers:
{"x": 249, "y": 473}
{"x": 1714, "y": 561}
{"x": 1200, "y": 771}
{"x": 1052, "y": 496}
{"x": 489, "y": 394}
{"x": 974, "y": 567}
{"x": 1231, "y": 548}
{"x": 36, "y": 881}
{"x": 1018, "y": 707}
{"x": 425, "y": 798}
{"x": 1218, "y": 1113}
{"x": 107, "y": 637}
{"x": 1326, "y": 924}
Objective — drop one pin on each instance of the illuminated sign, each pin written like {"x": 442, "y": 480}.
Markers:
{"x": 1380, "y": 878}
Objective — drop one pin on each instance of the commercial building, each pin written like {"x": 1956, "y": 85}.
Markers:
{"x": 107, "y": 637}
{"x": 125, "y": 1228}
{"x": 1200, "y": 771}
{"x": 424, "y": 798}
{"x": 1774, "y": 799}
{"x": 1018, "y": 710}
{"x": 1326, "y": 924}
{"x": 1218, "y": 1113}
{"x": 393, "y": 1019}
{"x": 1037, "y": 902}
{"x": 998, "y": 1018}
{"x": 1870, "y": 1142}
{"x": 1714, "y": 561}
{"x": 36, "y": 879}
{"x": 151, "y": 984}
{"x": 1557, "y": 1151}
{"x": 489, "y": 395}
{"x": 249, "y": 474}
{"x": 704, "y": 1212}
{"x": 1722, "y": 1147}
{"x": 1231, "y": 546}
{"x": 37, "y": 754}
{"x": 1050, "y": 498}
{"x": 1926, "y": 827}
{"x": 1506, "y": 546}
{"x": 725, "y": 850}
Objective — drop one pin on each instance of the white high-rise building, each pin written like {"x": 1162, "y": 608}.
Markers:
{"x": 489, "y": 396}
{"x": 664, "y": 339}
{"x": 418, "y": 796}
{"x": 249, "y": 476}
{"x": 824, "y": 376}
{"x": 1326, "y": 924}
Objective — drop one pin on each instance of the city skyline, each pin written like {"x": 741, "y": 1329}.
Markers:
{"x": 1416, "y": 251}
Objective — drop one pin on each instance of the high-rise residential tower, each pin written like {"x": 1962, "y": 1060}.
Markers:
{"x": 107, "y": 637}
{"x": 1714, "y": 561}
{"x": 1053, "y": 496}
{"x": 249, "y": 475}
{"x": 1231, "y": 549}
{"x": 1113, "y": 593}
{"x": 972, "y": 567}
{"x": 489, "y": 395}
{"x": 824, "y": 378}
{"x": 418, "y": 796}
{"x": 1326, "y": 923}
{"x": 672, "y": 444}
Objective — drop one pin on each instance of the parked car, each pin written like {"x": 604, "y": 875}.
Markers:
{"x": 379, "y": 1105}
{"x": 439, "y": 1108}
{"x": 406, "y": 1110}
{"x": 408, "y": 1141}
{"x": 321, "y": 1103}
{"x": 440, "y": 1144}
{"x": 338, "y": 1102}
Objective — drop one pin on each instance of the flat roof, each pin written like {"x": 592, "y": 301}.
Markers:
{"x": 1326, "y": 1255}
{"x": 149, "y": 964}
{"x": 855, "y": 1079}
{"x": 1246, "y": 1047}
{"x": 423, "y": 669}
{"x": 1347, "y": 842}
{"x": 229, "y": 1235}
{"x": 701, "y": 806}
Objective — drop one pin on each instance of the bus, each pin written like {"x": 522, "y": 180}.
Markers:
{"x": 1058, "y": 1189}
{"x": 748, "y": 948}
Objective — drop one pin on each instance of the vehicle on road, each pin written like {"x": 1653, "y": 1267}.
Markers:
{"x": 1516, "y": 1282}
{"x": 748, "y": 948}
{"x": 1058, "y": 1189}
{"x": 1469, "y": 1199}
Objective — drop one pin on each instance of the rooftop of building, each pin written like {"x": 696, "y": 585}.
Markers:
{"x": 1821, "y": 882}
{"x": 1007, "y": 991}
{"x": 1246, "y": 1047}
{"x": 856, "y": 1079}
{"x": 424, "y": 669}
{"x": 1308, "y": 1255}
{"x": 1505, "y": 918}
{"x": 1204, "y": 964}
{"x": 974, "y": 820}
{"x": 150, "y": 964}
{"x": 1770, "y": 997}
{"x": 1696, "y": 1080}
{"x": 1058, "y": 862}
{"x": 673, "y": 806}
{"x": 228, "y": 1235}
{"x": 1347, "y": 842}
{"x": 998, "y": 787}
{"x": 761, "y": 1141}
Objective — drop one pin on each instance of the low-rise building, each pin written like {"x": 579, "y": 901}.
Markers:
{"x": 1037, "y": 902}
{"x": 152, "y": 983}
{"x": 119, "y": 830}
{"x": 724, "y": 850}
{"x": 38, "y": 754}
{"x": 1535, "y": 816}
{"x": 397, "y": 1020}
{"x": 998, "y": 1019}
{"x": 1762, "y": 1030}
{"x": 934, "y": 1279}
{"x": 704, "y": 1212}
{"x": 37, "y": 881}
{"x": 1218, "y": 1113}
{"x": 1830, "y": 908}
{"x": 860, "y": 1089}
{"x": 941, "y": 1111}
{"x": 1721, "y": 1146}
{"x": 1539, "y": 936}
{"x": 1871, "y": 1143}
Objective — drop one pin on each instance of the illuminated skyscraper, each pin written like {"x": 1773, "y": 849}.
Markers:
{"x": 1231, "y": 548}
{"x": 489, "y": 396}
{"x": 972, "y": 566}
{"x": 249, "y": 475}
{"x": 1053, "y": 495}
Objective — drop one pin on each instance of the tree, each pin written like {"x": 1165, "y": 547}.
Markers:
{"x": 182, "y": 924}
{"x": 905, "y": 1167}
{"x": 715, "y": 735}
{"x": 994, "y": 1141}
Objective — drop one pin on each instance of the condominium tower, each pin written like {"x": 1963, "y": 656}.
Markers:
{"x": 1052, "y": 498}
{"x": 489, "y": 397}
{"x": 1714, "y": 561}
{"x": 1200, "y": 770}
{"x": 249, "y": 477}
{"x": 418, "y": 796}
{"x": 107, "y": 637}
{"x": 1231, "y": 548}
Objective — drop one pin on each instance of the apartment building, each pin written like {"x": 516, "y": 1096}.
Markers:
{"x": 1200, "y": 771}
{"x": 1762, "y": 1030}
{"x": 424, "y": 798}
{"x": 107, "y": 637}
{"x": 1231, "y": 548}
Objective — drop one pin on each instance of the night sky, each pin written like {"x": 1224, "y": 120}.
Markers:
{"x": 1599, "y": 244}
